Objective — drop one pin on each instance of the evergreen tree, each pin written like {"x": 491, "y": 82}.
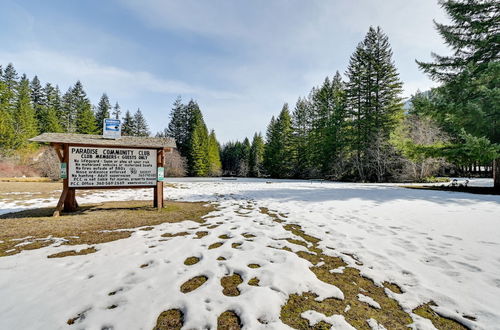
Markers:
{"x": 256, "y": 156}
{"x": 278, "y": 153}
{"x": 198, "y": 146}
{"x": 69, "y": 111}
{"x": 373, "y": 98}
{"x": 468, "y": 100}
{"x": 10, "y": 79}
{"x": 214, "y": 161}
{"x": 102, "y": 111}
{"x": 7, "y": 133}
{"x": 140, "y": 126}
{"x": 25, "y": 125}
{"x": 37, "y": 97}
{"x": 49, "y": 113}
{"x": 85, "y": 119}
{"x": 128, "y": 124}
{"x": 116, "y": 111}
{"x": 178, "y": 127}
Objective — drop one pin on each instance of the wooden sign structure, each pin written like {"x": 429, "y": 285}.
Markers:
{"x": 93, "y": 162}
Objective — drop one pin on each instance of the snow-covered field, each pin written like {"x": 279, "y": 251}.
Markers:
{"x": 439, "y": 246}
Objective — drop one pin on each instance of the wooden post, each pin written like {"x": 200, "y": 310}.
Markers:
{"x": 67, "y": 199}
{"x": 158, "y": 189}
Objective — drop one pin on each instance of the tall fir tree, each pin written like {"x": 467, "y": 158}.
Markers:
{"x": 10, "y": 79}
{"x": 198, "y": 146}
{"x": 140, "y": 126}
{"x": 85, "y": 118}
{"x": 214, "y": 161}
{"x": 116, "y": 111}
{"x": 468, "y": 100}
{"x": 373, "y": 98}
{"x": 179, "y": 125}
{"x": 37, "y": 97}
{"x": 278, "y": 152}
{"x": 102, "y": 111}
{"x": 49, "y": 120}
{"x": 128, "y": 124}
{"x": 7, "y": 134}
{"x": 256, "y": 158}
{"x": 25, "y": 124}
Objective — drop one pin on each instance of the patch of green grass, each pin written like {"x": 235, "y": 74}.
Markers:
{"x": 183, "y": 233}
{"x": 173, "y": 319}
{"x": 228, "y": 320}
{"x": 440, "y": 322}
{"x": 236, "y": 245}
{"x": 253, "y": 265}
{"x": 193, "y": 284}
{"x": 225, "y": 236}
{"x": 254, "y": 281}
{"x": 230, "y": 285}
{"x": 191, "y": 261}
{"x": 73, "y": 253}
{"x": 215, "y": 245}
{"x": 201, "y": 234}
{"x": 86, "y": 226}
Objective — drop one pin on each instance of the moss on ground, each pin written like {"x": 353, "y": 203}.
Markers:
{"x": 183, "y": 233}
{"x": 230, "y": 285}
{"x": 253, "y": 265}
{"x": 225, "y": 236}
{"x": 73, "y": 253}
{"x": 193, "y": 284}
{"x": 254, "y": 281}
{"x": 228, "y": 320}
{"x": 440, "y": 322}
{"x": 173, "y": 319}
{"x": 215, "y": 245}
{"x": 91, "y": 224}
{"x": 201, "y": 234}
{"x": 191, "y": 261}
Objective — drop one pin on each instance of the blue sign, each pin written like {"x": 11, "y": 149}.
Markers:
{"x": 111, "y": 129}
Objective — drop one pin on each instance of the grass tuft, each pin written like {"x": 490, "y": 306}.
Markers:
{"x": 73, "y": 253}
{"x": 230, "y": 285}
{"x": 191, "y": 261}
{"x": 173, "y": 319}
{"x": 193, "y": 284}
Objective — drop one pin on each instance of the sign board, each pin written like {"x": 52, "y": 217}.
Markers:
{"x": 111, "y": 129}
{"x": 64, "y": 171}
{"x": 111, "y": 167}
{"x": 161, "y": 173}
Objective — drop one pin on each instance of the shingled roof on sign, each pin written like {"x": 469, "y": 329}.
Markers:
{"x": 98, "y": 140}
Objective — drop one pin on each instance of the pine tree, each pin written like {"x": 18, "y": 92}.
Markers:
{"x": 178, "y": 127}
{"x": 468, "y": 99}
{"x": 140, "y": 126}
{"x": 278, "y": 154}
{"x": 116, "y": 111}
{"x": 214, "y": 161}
{"x": 85, "y": 119}
{"x": 25, "y": 125}
{"x": 256, "y": 156}
{"x": 128, "y": 124}
{"x": 198, "y": 146}
{"x": 373, "y": 98}
{"x": 102, "y": 111}
{"x": 37, "y": 98}
{"x": 10, "y": 79}
{"x": 7, "y": 133}
{"x": 49, "y": 120}
{"x": 68, "y": 118}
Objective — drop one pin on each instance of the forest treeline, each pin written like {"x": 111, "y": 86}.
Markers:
{"x": 358, "y": 128}
{"x": 353, "y": 126}
{"x": 27, "y": 108}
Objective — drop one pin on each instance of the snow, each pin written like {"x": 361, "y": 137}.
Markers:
{"x": 439, "y": 246}
{"x": 368, "y": 300}
{"x": 337, "y": 321}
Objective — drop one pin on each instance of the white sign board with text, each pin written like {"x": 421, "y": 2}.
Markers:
{"x": 106, "y": 167}
{"x": 111, "y": 129}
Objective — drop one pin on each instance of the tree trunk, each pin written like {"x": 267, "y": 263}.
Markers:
{"x": 496, "y": 174}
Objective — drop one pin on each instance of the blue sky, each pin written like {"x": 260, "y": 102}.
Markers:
{"x": 241, "y": 60}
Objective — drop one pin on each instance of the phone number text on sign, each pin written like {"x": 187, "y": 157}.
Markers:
{"x": 105, "y": 167}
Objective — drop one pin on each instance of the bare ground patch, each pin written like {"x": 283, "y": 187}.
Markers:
{"x": 91, "y": 224}
{"x": 173, "y": 319}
